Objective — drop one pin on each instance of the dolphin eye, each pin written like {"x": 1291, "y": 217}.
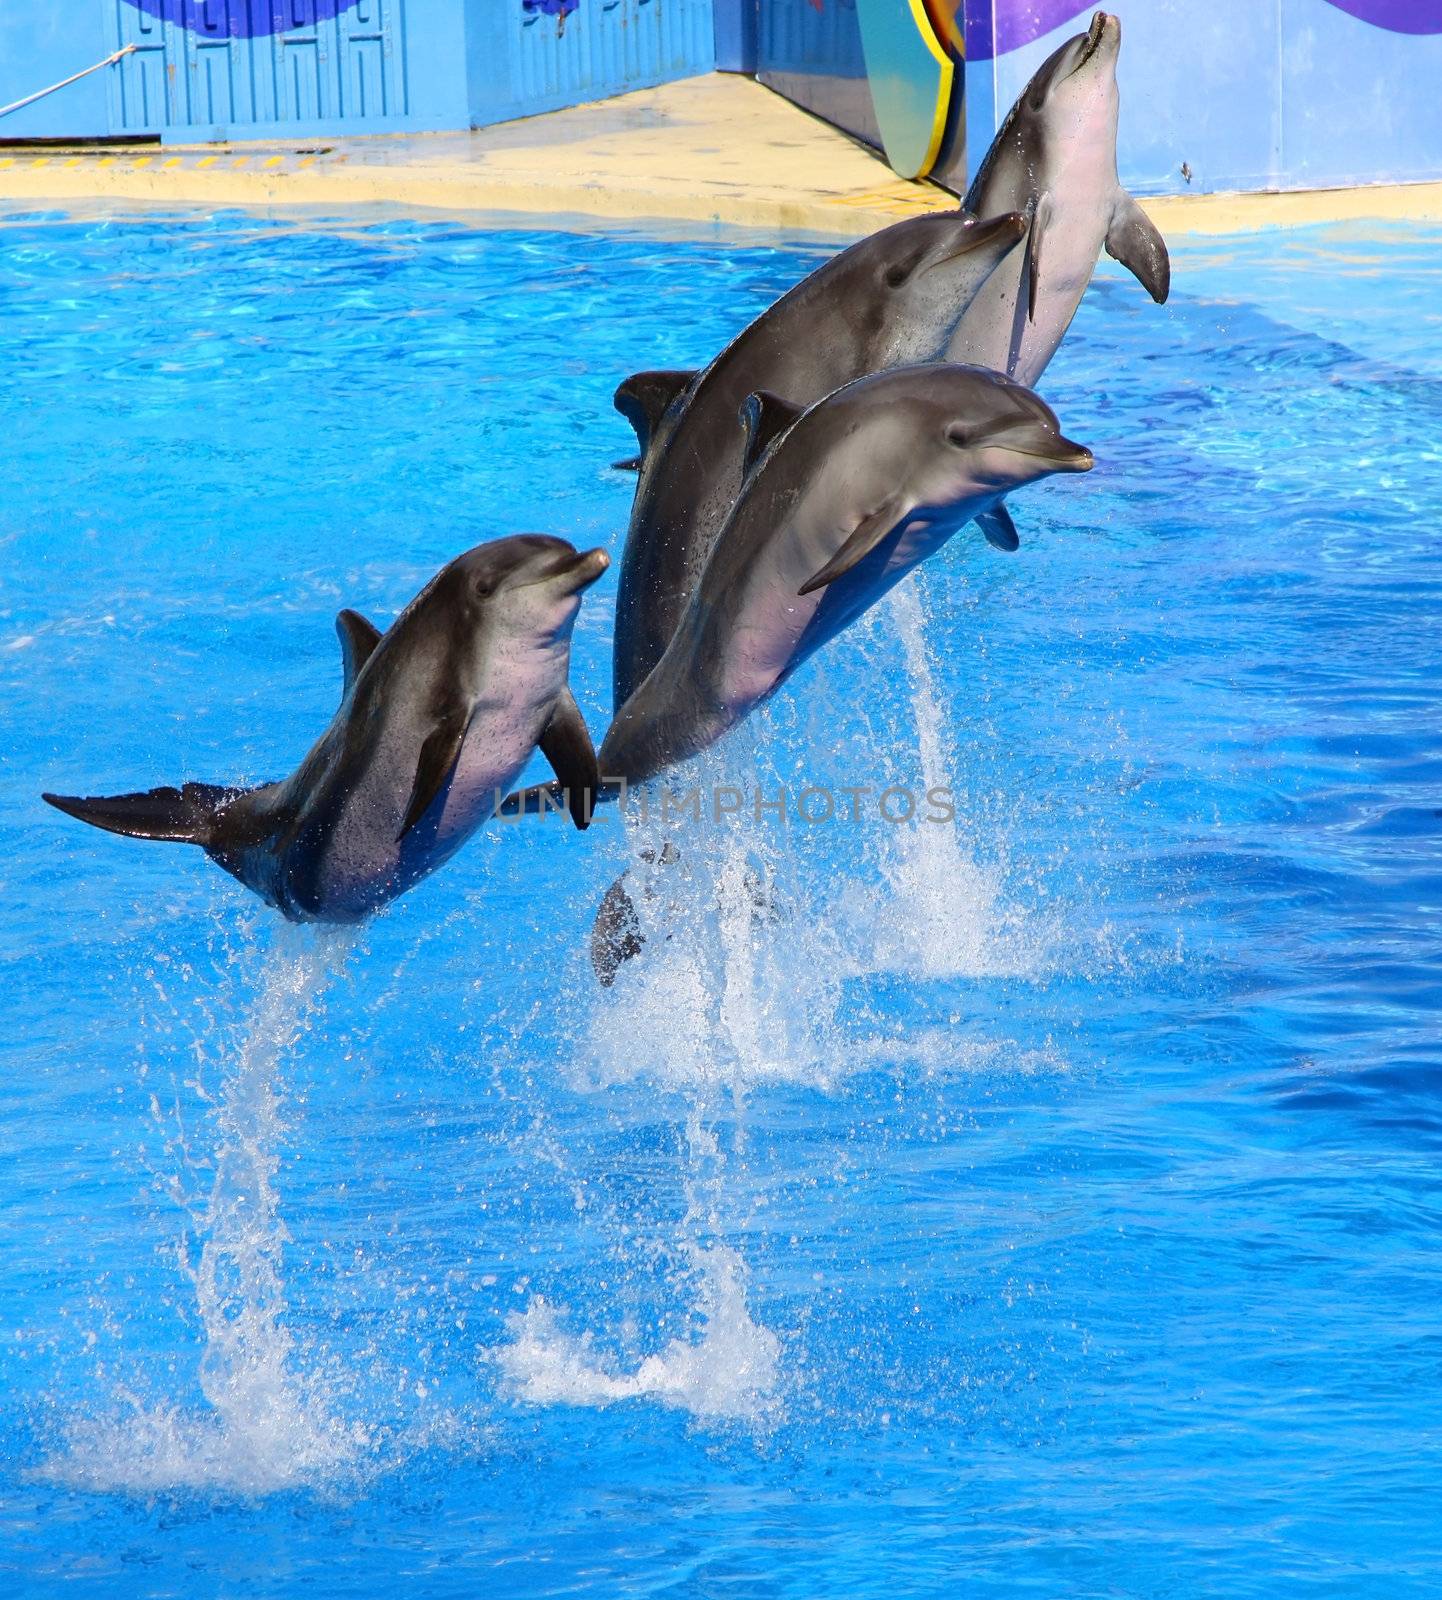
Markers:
{"x": 958, "y": 436}
{"x": 896, "y": 276}
{"x": 483, "y": 588}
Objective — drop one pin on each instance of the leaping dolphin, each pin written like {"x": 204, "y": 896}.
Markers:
{"x": 437, "y": 718}
{"x": 886, "y": 301}
{"x": 1055, "y": 160}
{"x": 840, "y": 504}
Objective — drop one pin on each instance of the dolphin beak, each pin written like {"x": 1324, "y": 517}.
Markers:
{"x": 998, "y": 234}
{"x": 1039, "y": 443}
{"x": 1105, "y": 29}
{"x": 586, "y": 568}
{"x": 1060, "y": 455}
{"x": 571, "y": 572}
{"x": 1070, "y": 457}
{"x": 1104, "y": 36}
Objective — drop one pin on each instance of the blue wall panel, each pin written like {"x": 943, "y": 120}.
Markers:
{"x": 735, "y": 26}
{"x": 1291, "y": 94}
{"x": 1198, "y": 85}
{"x": 246, "y": 69}
{"x": 523, "y": 62}
{"x": 40, "y": 45}
{"x": 1359, "y": 104}
{"x": 814, "y": 58}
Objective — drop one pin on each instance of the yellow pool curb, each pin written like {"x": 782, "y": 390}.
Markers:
{"x": 1246, "y": 213}
{"x": 719, "y": 149}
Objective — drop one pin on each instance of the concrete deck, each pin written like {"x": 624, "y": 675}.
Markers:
{"x": 718, "y": 149}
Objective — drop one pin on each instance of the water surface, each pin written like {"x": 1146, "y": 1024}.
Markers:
{"x": 1047, "y": 1204}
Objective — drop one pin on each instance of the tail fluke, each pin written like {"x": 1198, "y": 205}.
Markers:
{"x": 186, "y": 815}
{"x": 616, "y": 934}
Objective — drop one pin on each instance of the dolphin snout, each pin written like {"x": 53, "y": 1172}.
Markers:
{"x": 588, "y": 566}
{"x": 1105, "y": 29}
{"x": 571, "y": 570}
{"x": 1040, "y": 442}
{"x": 1101, "y": 42}
{"x": 1071, "y": 457}
{"x": 995, "y": 234}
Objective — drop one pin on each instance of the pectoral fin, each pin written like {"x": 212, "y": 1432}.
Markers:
{"x": 998, "y": 527}
{"x": 764, "y": 416}
{"x": 630, "y": 464}
{"x": 864, "y": 538}
{"x": 435, "y": 764}
{"x": 1133, "y": 240}
{"x": 1034, "y": 240}
{"x": 566, "y": 744}
{"x": 642, "y": 399}
{"x": 358, "y": 638}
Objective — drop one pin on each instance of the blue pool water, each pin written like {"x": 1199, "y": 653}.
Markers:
{"x": 1046, "y": 1205}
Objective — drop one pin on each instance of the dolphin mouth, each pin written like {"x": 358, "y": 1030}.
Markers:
{"x": 1091, "y": 42}
{"x": 580, "y": 570}
{"x": 1060, "y": 455}
{"x": 1039, "y": 444}
{"x": 1008, "y": 230}
{"x": 1066, "y": 456}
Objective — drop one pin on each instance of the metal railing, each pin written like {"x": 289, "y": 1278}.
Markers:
{"x": 75, "y": 77}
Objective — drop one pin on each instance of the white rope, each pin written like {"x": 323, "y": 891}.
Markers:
{"x": 75, "y": 77}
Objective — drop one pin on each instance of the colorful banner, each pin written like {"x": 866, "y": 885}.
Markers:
{"x": 1006, "y": 25}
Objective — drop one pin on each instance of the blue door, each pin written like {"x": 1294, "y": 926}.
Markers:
{"x": 210, "y": 69}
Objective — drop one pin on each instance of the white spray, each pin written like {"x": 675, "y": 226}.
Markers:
{"x": 268, "y": 1424}
{"x": 947, "y": 915}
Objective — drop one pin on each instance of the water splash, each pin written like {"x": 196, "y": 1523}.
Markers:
{"x": 729, "y": 1371}
{"x": 727, "y": 1364}
{"x": 270, "y": 1423}
{"x": 738, "y": 981}
{"x": 707, "y": 1011}
{"x": 747, "y": 942}
{"x": 948, "y": 914}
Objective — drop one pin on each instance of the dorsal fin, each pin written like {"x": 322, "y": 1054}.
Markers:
{"x": 357, "y": 639}
{"x": 764, "y": 415}
{"x": 643, "y": 397}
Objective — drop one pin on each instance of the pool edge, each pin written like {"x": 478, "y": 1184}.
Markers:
{"x": 654, "y": 157}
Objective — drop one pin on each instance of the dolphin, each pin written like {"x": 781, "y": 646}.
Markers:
{"x": 1055, "y": 160}
{"x": 887, "y": 301}
{"x": 437, "y": 718}
{"x": 841, "y": 501}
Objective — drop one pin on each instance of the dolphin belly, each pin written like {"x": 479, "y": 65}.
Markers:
{"x": 498, "y": 743}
